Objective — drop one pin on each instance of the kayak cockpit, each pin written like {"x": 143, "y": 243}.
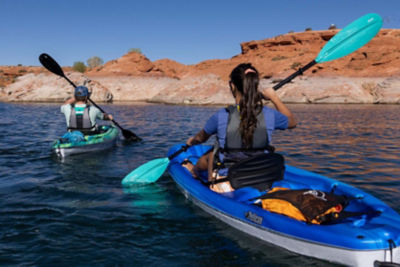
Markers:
{"x": 363, "y": 206}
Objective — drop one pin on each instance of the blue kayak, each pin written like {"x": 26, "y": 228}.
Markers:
{"x": 372, "y": 237}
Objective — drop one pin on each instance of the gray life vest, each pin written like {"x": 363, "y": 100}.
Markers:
{"x": 234, "y": 138}
{"x": 80, "y": 121}
{"x": 233, "y": 150}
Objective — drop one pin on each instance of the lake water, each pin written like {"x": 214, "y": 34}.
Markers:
{"x": 75, "y": 211}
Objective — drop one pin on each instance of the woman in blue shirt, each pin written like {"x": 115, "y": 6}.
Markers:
{"x": 243, "y": 129}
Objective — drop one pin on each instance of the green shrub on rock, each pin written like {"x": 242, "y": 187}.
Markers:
{"x": 79, "y": 66}
{"x": 94, "y": 62}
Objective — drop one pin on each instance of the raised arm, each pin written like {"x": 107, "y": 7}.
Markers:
{"x": 70, "y": 100}
{"x": 270, "y": 94}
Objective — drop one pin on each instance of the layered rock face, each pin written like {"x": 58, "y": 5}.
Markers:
{"x": 9, "y": 74}
{"x": 46, "y": 87}
{"x": 369, "y": 75}
{"x": 280, "y": 55}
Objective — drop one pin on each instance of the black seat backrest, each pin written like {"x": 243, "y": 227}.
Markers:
{"x": 259, "y": 171}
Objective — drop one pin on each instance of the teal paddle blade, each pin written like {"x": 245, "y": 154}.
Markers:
{"x": 146, "y": 173}
{"x": 351, "y": 38}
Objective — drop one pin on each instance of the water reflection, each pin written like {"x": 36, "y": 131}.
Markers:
{"x": 75, "y": 211}
{"x": 148, "y": 197}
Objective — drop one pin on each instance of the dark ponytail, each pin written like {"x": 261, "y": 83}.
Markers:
{"x": 246, "y": 79}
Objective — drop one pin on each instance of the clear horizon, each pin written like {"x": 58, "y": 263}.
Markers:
{"x": 185, "y": 31}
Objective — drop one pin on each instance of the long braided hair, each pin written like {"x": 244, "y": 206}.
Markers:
{"x": 246, "y": 79}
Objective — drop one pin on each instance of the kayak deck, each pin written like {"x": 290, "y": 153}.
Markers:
{"x": 358, "y": 240}
{"x": 103, "y": 140}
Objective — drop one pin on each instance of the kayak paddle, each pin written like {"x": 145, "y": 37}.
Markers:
{"x": 150, "y": 171}
{"x": 50, "y": 64}
{"x": 349, "y": 39}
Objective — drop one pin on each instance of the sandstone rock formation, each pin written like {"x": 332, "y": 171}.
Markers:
{"x": 132, "y": 64}
{"x": 370, "y": 75}
{"x": 9, "y": 74}
{"x": 46, "y": 87}
{"x": 281, "y": 54}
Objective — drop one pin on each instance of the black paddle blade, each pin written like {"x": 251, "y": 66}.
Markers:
{"x": 50, "y": 64}
{"x": 130, "y": 136}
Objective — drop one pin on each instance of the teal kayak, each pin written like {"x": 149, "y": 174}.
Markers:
{"x": 106, "y": 138}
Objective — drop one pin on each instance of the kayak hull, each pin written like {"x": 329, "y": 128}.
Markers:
{"x": 92, "y": 143}
{"x": 355, "y": 242}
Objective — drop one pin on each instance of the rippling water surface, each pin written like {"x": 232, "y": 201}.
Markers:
{"x": 75, "y": 212}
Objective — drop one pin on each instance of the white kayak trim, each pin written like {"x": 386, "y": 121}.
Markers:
{"x": 361, "y": 258}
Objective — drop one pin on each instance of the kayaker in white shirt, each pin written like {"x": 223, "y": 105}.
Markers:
{"x": 79, "y": 115}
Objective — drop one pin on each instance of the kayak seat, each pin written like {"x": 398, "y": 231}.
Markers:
{"x": 243, "y": 194}
{"x": 259, "y": 171}
{"x": 95, "y": 132}
{"x": 98, "y": 130}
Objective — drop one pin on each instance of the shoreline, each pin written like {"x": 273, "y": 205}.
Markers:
{"x": 203, "y": 90}
{"x": 144, "y": 103}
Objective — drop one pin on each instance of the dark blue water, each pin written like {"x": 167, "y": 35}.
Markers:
{"x": 75, "y": 212}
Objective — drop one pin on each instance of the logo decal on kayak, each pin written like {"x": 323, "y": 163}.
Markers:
{"x": 251, "y": 216}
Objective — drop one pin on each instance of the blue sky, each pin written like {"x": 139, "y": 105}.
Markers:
{"x": 185, "y": 31}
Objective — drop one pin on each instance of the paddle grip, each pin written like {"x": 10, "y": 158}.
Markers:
{"x": 294, "y": 75}
{"x": 183, "y": 149}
